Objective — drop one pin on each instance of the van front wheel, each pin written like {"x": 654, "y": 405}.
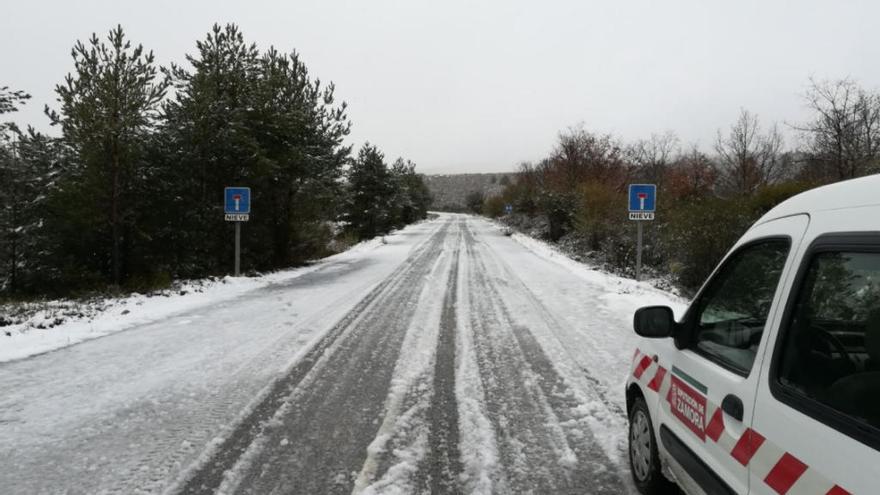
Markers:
{"x": 644, "y": 461}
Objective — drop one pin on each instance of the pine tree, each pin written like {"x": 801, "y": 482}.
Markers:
{"x": 300, "y": 131}
{"x": 10, "y": 100}
{"x": 108, "y": 106}
{"x": 10, "y": 224}
{"x": 245, "y": 118}
{"x": 369, "y": 210}
{"x": 41, "y": 173}
{"x": 412, "y": 196}
{"x": 132, "y": 191}
{"x": 208, "y": 137}
{"x": 11, "y": 179}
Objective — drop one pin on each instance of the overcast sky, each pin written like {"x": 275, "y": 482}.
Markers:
{"x": 463, "y": 86}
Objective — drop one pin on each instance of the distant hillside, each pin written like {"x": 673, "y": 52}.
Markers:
{"x": 450, "y": 190}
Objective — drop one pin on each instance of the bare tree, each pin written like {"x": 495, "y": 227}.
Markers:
{"x": 692, "y": 174}
{"x": 654, "y": 156}
{"x": 843, "y": 140}
{"x": 528, "y": 175}
{"x": 747, "y": 158}
{"x": 583, "y": 156}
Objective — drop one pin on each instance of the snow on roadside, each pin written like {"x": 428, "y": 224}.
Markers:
{"x": 52, "y": 325}
{"x": 598, "y": 335}
{"x": 624, "y": 295}
{"x": 589, "y": 337}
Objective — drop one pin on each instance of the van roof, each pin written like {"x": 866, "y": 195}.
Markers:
{"x": 864, "y": 191}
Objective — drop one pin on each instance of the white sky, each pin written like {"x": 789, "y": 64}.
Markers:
{"x": 463, "y": 86}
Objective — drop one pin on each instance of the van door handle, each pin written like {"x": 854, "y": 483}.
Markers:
{"x": 733, "y": 406}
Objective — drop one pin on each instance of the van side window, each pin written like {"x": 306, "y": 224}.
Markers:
{"x": 733, "y": 310}
{"x": 831, "y": 351}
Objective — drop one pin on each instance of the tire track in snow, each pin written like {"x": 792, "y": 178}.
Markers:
{"x": 413, "y": 434}
{"x": 531, "y": 446}
{"x": 208, "y": 477}
{"x": 101, "y": 444}
{"x": 481, "y": 473}
{"x": 441, "y": 468}
{"x": 544, "y": 446}
{"x": 171, "y": 453}
{"x": 607, "y": 419}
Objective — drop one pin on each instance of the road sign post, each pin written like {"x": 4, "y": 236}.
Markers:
{"x": 237, "y": 209}
{"x": 237, "y": 248}
{"x": 642, "y": 205}
{"x": 639, "y": 251}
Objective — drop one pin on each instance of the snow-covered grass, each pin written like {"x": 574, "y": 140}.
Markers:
{"x": 625, "y": 294}
{"x": 31, "y": 328}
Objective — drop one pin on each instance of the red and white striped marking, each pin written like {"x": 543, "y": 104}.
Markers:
{"x": 782, "y": 471}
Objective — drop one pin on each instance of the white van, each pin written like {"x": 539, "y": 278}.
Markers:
{"x": 770, "y": 383}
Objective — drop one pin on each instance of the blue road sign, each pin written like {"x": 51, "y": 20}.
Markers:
{"x": 508, "y": 208}
{"x": 642, "y": 198}
{"x": 237, "y": 200}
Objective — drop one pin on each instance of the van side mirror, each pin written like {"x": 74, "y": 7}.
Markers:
{"x": 654, "y": 322}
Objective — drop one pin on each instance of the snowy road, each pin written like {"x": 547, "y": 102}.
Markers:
{"x": 452, "y": 359}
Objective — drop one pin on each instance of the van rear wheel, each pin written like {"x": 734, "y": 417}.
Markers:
{"x": 644, "y": 460}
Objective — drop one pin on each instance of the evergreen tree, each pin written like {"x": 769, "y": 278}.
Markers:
{"x": 300, "y": 132}
{"x": 258, "y": 120}
{"x": 209, "y": 145}
{"x": 9, "y": 102}
{"x": 371, "y": 191}
{"x": 413, "y": 197}
{"x": 12, "y": 178}
{"x": 108, "y": 106}
{"x": 38, "y": 175}
{"x": 10, "y": 222}
{"x": 132, "y": 191}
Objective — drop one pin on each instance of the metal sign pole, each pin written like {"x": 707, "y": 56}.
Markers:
{"x": 639, "y": 252}
{"x": 642, "y": 204}
{"x": 238, "y": 248}
{"x": 237, "y": 208}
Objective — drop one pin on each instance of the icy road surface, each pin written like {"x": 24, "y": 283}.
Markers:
{"x": 452, "y": 359}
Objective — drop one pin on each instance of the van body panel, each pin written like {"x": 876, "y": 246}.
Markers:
{"x": 830, "y": 458}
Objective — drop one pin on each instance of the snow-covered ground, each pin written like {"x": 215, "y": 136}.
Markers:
{"x": 129, "y": 411}
{"x": 452, "y": 358}
{"x": 581, "y": 319}
{"x": 51, "y": 325}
